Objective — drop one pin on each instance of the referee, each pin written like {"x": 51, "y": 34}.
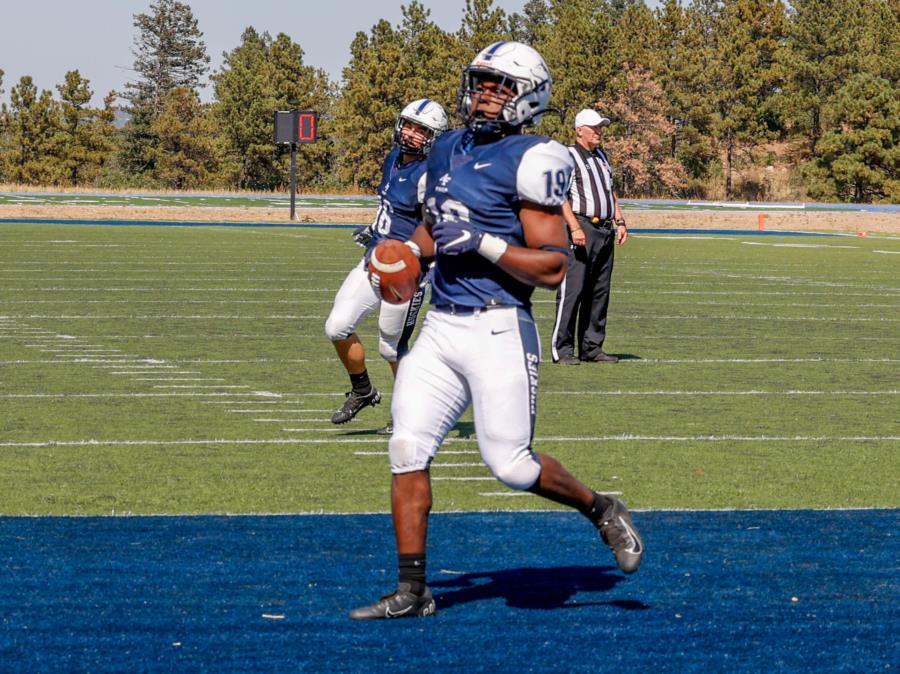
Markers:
{"x": 595, "y": 225}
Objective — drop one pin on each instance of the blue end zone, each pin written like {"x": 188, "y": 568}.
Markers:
{"x": 515, "y": 592}
{"x": 313, "y": 225}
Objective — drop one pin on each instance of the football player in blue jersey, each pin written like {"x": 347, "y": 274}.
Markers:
{"x": 494, "y": 198}
{"x": 399, "y": 213}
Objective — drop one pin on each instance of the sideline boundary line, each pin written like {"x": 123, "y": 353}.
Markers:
{"x": 480, "y": 511}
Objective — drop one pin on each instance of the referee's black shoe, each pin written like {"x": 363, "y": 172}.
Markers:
{"x": 601, "y": 357}
{"x": 353, "y": 404}
{"x": 619, "y": 533}
{"x": 401, "y": 603}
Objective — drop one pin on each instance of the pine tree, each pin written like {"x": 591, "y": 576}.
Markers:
{"x": 744, "y": 75}
{"x": 372, "y": 96}
{"x": 258, "y": 77}
{"x": 32, "y": 140}
{"x": 169, "y": 52}
{"x": 427, "y": 58}
{"x": 824, "y": 47}
{"x": 86, "y": 137}
{"x": 858, "y": 157}
{"x": 638, "y": 138}
{"x": 685, "y": 54}
{"x": 616, "y": 9}
{"x": 635, "y": 38}
{"x": 529, "y": 26}
{"x": 185, "y": 155}
{"x": 482, "y": 25}
{"x": 388, "y": 69}
{"x": 580, "y": 76}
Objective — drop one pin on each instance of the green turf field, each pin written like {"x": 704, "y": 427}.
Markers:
{"x": 185, "y": 370}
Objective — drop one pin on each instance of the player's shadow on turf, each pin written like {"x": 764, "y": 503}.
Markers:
{"x": 628, "y": 356}
{"x": 533, "y": 588}
{"x": 466, "y": 429}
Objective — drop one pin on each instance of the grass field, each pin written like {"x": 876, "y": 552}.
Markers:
{"x": 185, "y": 370}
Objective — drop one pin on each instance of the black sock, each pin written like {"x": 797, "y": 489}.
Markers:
{"x": 361, "y": 384}
{"x": 412, "y": 571}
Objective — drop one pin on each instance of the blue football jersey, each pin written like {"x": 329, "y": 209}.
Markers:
{"x": 400, "y": 195}
{"x": 484, "y": 185}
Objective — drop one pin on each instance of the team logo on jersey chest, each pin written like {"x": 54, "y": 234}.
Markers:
{"x": 444, "y": 180}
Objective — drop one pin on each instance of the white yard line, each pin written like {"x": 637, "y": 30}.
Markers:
{"x": 796, "y": 245}
{"x": 250, "y": 402}
{"x": 154, "y": 372}
{"x": 257, "y": 411}
{"x": 216, "y": 386}
{"x": 178, "y": 378}
{"x": 545, "y": 392}
{"x": 725, "y": 393}
{"x": 443, "y": 452}
{"x": 506, "y": 493}
{"x": 382, "y": 440}
{"x": 751, "y": 361}
{"x": 635, "y": 361}
{"x": 284, "y": 421}
{"x": 180, "y": 317}
{"x": 321, "y": 430}
{"x": 118, "y": 367}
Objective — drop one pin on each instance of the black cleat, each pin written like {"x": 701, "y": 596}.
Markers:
{"x": 353, "y": 404}
{"x": 402, "y": 603}
{"x": 619, "y": 533}
{"x": 387, "y": 429}
{"x": 569, "y": 359}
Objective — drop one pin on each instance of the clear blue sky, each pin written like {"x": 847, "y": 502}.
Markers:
{"x": 45, "y": 39}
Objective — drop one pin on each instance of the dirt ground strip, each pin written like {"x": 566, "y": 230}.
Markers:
{"x": 840, "y": 221}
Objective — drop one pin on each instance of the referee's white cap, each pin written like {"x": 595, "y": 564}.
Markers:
{"x": 589, "y": 117}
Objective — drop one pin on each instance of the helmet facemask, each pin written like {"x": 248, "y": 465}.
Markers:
{"x": 517, "y": 100}
{"x": 404, "y": 143}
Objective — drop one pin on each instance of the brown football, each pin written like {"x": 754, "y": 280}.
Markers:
{"x": 398, "y": 270}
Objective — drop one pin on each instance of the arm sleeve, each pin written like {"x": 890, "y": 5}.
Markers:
{"x": 544, "y": 174}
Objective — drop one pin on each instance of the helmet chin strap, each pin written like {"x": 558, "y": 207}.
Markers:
{"x": 489, "y": 130}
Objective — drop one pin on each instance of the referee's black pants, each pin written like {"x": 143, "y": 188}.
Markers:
{"x": 583, "y": 298}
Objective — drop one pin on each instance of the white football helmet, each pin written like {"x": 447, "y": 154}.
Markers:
{"x": 514, "y": 65}
{"x": 424, "y": 112}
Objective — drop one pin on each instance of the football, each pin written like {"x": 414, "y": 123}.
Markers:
{"x": 397, "y": 269}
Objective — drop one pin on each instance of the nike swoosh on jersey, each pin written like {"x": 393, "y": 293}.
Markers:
{"x": 478, "y": 165}
{"x": 464, "y": 236}
{"x": 500, "y": 332}
{"x": 402, "y": 180}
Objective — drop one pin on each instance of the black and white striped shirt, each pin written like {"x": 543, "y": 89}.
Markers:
{"x": 590, "y": 189}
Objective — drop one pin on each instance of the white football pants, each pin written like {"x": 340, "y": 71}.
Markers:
{"x": 489, "y": 358}
{"x": 354, "y": 301}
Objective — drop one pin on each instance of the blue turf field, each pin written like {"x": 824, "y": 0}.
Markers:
{"x": 516, "y": 592}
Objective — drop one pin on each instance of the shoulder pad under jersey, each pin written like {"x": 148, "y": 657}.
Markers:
{"x": 544, "y": 173}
